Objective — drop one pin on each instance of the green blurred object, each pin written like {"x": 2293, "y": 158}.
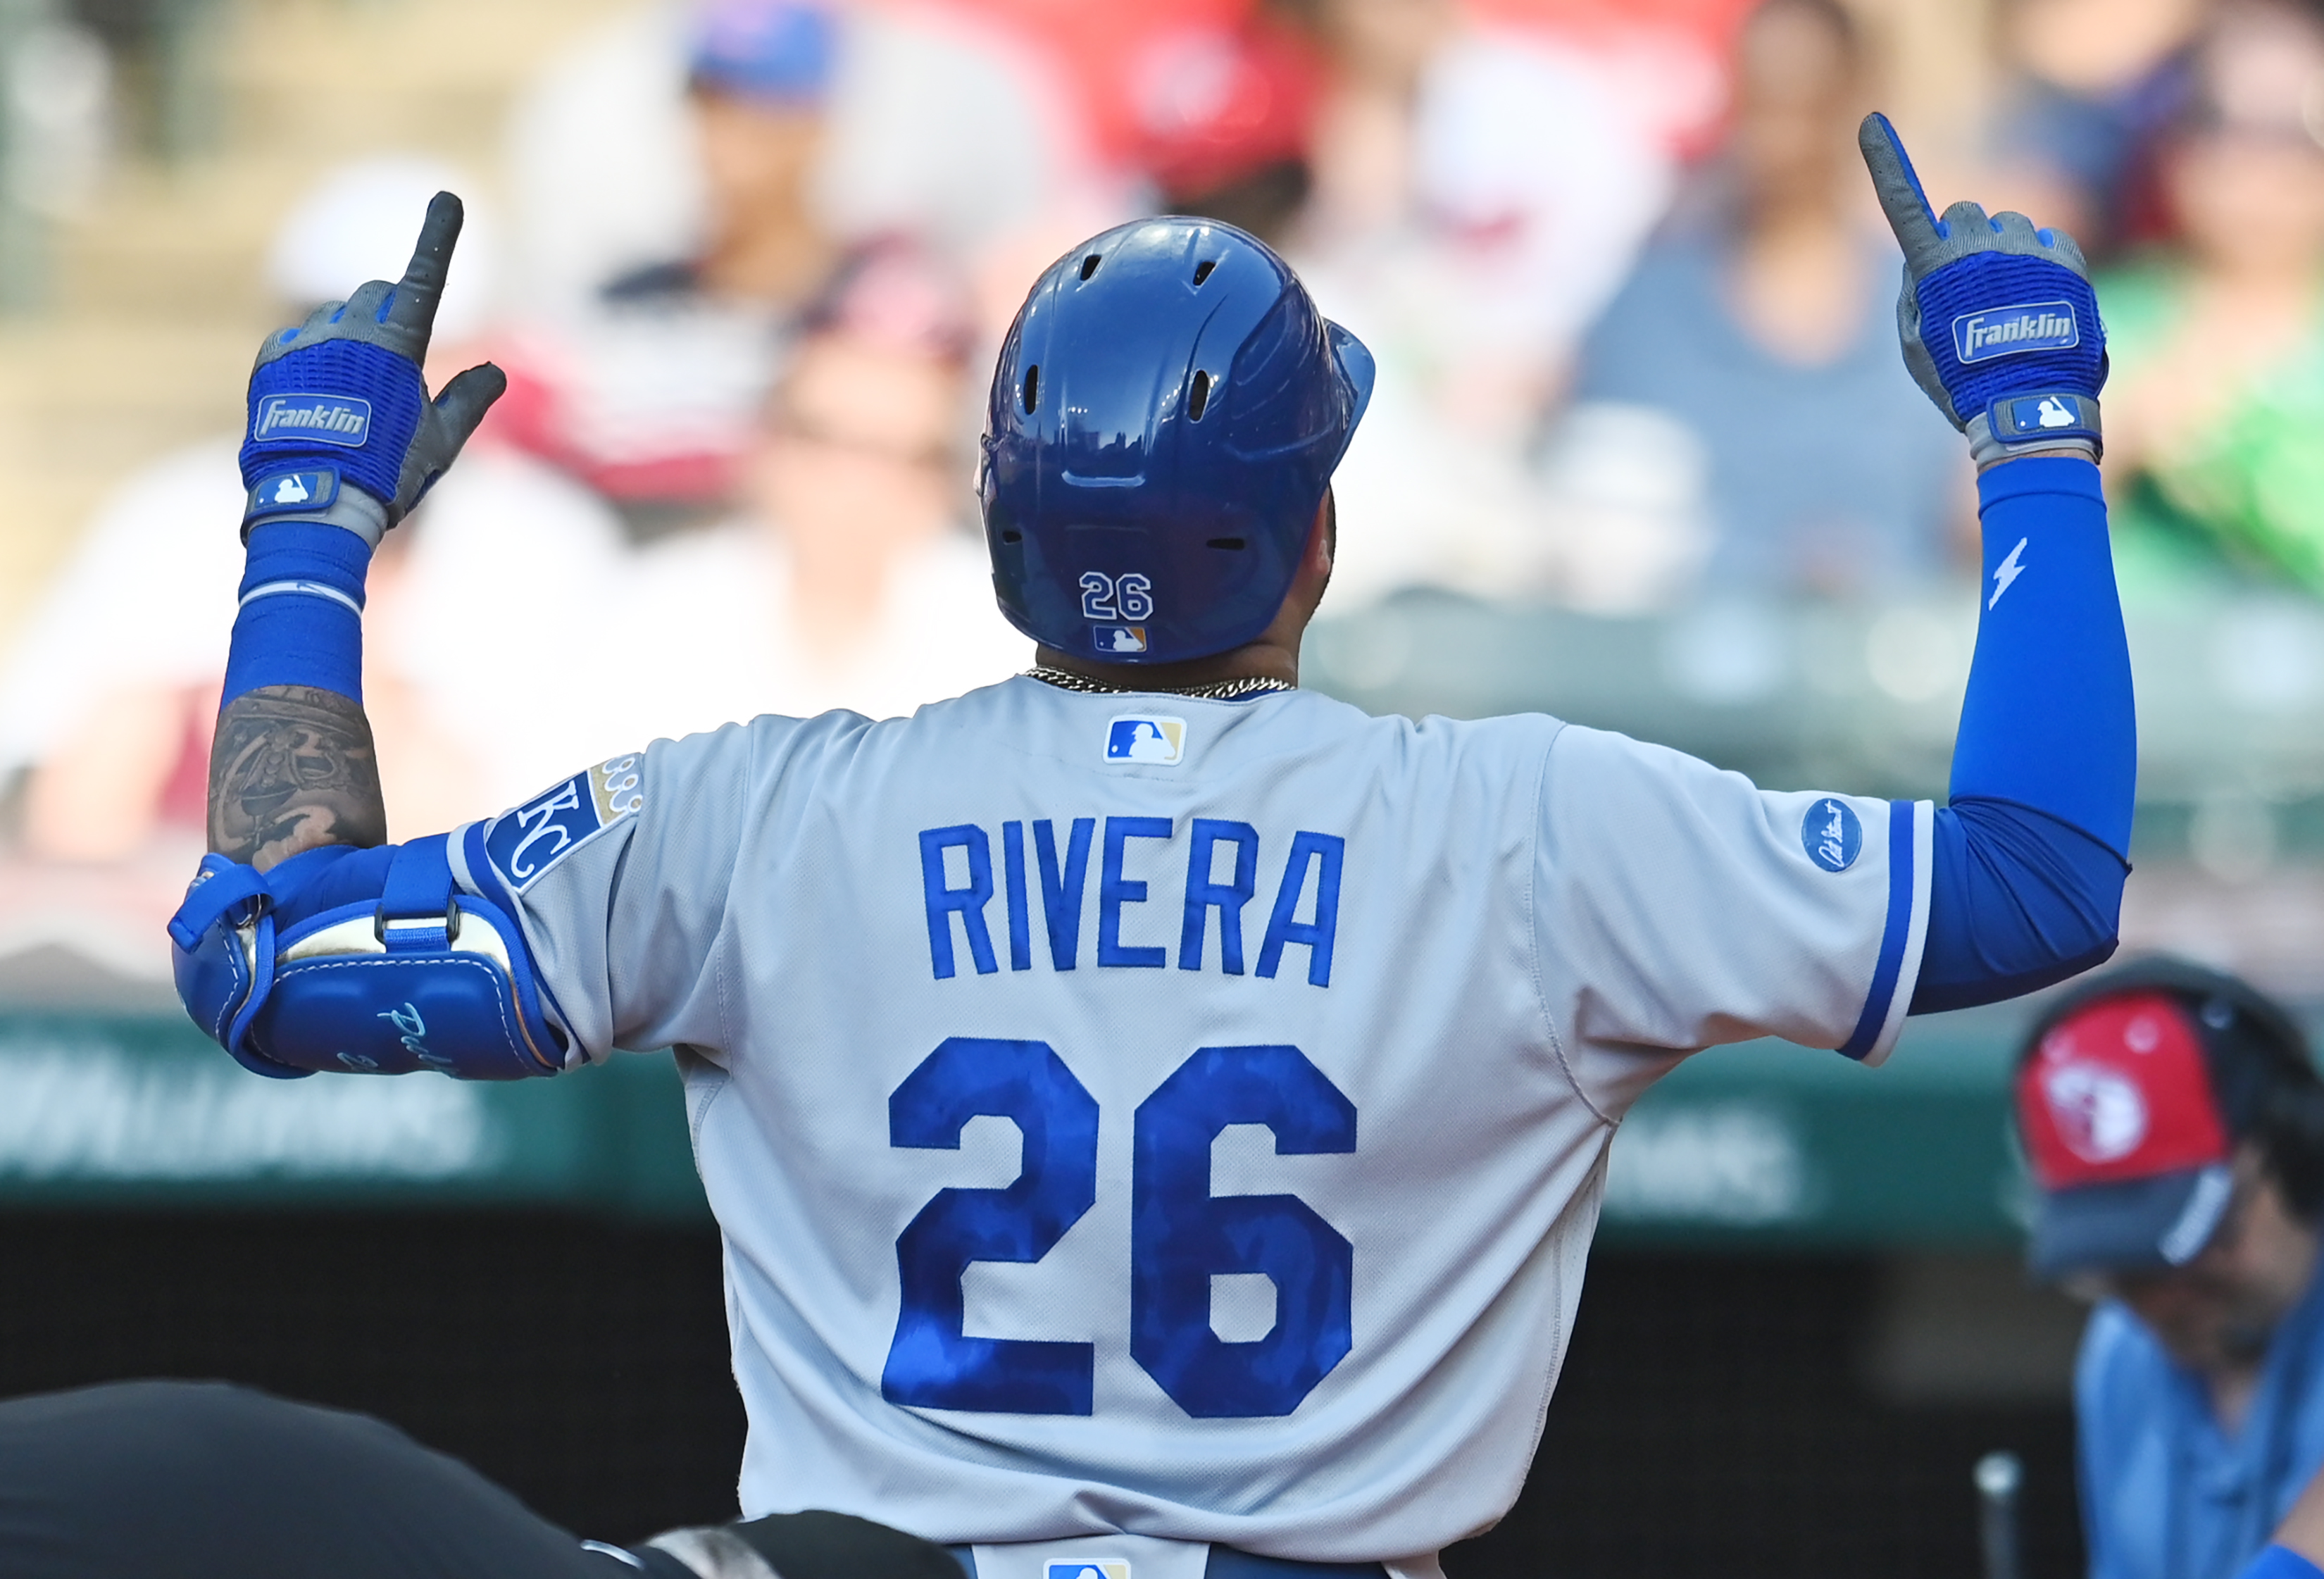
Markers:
{"x": 145, "y": 1112}
{"x": 188, "y": 110}
{"x": 1774, "y": 1145}
{"x": 2250, "y": 479}
{"x": 1827, "y": 696}
{"x": 23, "y": 230}
{"x": 1761, "y": 1144}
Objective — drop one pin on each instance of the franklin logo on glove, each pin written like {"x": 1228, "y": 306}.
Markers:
{"x": 2019, "y": 378}
{"x": 2033, "y": 326}
{"x": 329, "y": 419}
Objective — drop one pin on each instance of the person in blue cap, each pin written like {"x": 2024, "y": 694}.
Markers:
{"x": 651, "y": 394}
{"x": 759, "y": 80}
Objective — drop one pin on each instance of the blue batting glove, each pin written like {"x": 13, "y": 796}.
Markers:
{"x": 341, "y": 428}
{"x": 2000, "y": 325}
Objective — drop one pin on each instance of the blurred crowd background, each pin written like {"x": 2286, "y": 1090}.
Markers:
{"x": 1643, "y": 451}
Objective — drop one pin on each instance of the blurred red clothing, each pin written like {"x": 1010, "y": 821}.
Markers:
{"x": 1101, "y": 50}
{"x": 1096, "y": 47}
{"x": 1712, "y": 21}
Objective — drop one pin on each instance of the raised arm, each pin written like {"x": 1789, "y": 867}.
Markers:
{"x": 2001, "y": 329}
{"x": 343, "y": 441}
{"x": 306, "y": 941}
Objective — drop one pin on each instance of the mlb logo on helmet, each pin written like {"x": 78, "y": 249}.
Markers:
{"x": 1087, "y": 1568}
{"x": 1118, "y": 638}
{"x": 1145, "y": 737}
{"x": 2007, "y": 331}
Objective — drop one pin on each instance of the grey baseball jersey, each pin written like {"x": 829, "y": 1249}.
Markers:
{"x": 1137, "y": 1122}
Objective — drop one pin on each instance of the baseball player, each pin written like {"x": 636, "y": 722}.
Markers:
{"x": 1157, "y": 1114}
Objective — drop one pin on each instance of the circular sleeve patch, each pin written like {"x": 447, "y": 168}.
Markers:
{"x": 1832, "y": 834}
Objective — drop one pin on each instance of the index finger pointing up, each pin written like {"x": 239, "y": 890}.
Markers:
{"x": 413, "y": 307}
{"x": 1898, "y": 187}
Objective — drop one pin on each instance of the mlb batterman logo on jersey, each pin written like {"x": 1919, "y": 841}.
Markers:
{"x": 1144, "y": 737}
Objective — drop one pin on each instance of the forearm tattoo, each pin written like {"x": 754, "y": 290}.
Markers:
{"x": 291, "y": 769}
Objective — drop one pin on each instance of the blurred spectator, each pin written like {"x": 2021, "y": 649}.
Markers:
{"x": 107, "y": 702}
{"x": 2089, "y": 85}
{"x": 937, "y": 122}
{"x": 1756, "y": 349}
{"x": 2171, "y": 1116}
{"x": 1667, "y": 57}
{"x": 1478, "y": 193}
{"x": 760, "y": 73}
{"x": 648, "y": 394}
{"x": 848, "y": 582}
{"x": 1223, "y": 121}
{"x": 60, "y": 110}
{"x": 343, "y": 231}
{"x": 2214, "y": 413}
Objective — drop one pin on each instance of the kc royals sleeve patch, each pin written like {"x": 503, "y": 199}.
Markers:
{"x": 523, "y": 844}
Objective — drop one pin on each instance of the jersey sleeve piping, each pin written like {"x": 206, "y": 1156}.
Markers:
{"x": 1533, "y": 931}
{"x": 1912, "y": 836}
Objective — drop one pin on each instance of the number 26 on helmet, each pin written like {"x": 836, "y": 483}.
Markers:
{"x": 1165, "y": 414}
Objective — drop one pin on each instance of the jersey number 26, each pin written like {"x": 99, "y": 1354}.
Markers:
{"x": 1180, "y": 1233}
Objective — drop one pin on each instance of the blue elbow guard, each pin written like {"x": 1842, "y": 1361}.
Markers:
{"x": 413, "y": 976}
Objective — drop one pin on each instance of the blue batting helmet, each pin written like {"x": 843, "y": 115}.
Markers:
{"x": 1165, "y": 415}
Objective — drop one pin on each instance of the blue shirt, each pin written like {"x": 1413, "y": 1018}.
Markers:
{"x": 2166, "y": 1493}
{"x": 1839, "y": 476}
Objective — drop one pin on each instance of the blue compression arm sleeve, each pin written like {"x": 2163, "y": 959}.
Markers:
{"x": 2030, "y": 857}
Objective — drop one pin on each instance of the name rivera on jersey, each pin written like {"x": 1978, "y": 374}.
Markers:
{"x": 957, "y": 881}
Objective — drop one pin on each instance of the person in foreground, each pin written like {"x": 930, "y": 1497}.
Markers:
{"x": 2175, "y": 1125}
{"x": 1157, "y": 1114}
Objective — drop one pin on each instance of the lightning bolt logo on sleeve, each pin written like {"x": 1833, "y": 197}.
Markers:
{"x": 2007, "y": 571}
